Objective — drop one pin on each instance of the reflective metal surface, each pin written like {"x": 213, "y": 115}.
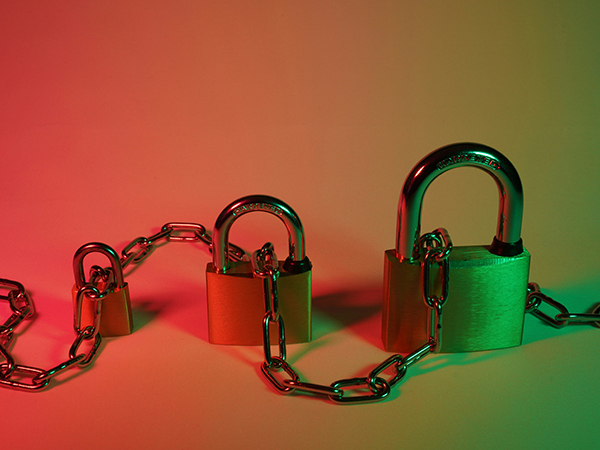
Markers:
{"x": 510, "y": 215}
{"x": 249, "y": 204}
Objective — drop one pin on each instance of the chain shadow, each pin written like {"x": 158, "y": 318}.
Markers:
{"x": 184, "y": 306}
{"x": 358, "y": 310}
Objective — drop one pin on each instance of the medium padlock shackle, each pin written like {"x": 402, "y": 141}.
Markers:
{"x": 297, "y": 262}
{"x": 97, "y": 247}
{"x": 507, "y": 241}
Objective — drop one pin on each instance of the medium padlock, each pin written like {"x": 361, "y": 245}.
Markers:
{"x": 487, "y": 285}
{"x": 236, "y": 301}
{"x": 116, "y": 317}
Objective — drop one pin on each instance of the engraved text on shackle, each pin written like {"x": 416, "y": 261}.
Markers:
{"x": 467, "y": 157}
{"x": 257, "y": 206}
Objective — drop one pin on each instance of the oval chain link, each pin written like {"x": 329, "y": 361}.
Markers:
{"x": 438, "y": 246}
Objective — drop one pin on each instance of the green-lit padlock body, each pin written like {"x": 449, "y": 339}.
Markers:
{"x": 236, "y": 306}
{"x": 485, "y": 308}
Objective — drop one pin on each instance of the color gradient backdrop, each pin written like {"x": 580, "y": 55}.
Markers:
{"x": 119, "y": 116}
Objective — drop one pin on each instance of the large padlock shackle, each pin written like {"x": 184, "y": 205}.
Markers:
{"x": 507, "y": 241}
{"x": 97, "y": 247}
{"x": 297, "y": 262}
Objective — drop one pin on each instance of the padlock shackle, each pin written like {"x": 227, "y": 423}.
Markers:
{"x": 507, "y": 241}
{"x": 249, "y": 204}
{"x": 97, "y": 247}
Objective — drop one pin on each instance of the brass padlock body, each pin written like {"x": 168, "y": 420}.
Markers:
{"x": 236, "y": 306}
{"x": 485, "y": 308}
{"x": 116, "y": 318}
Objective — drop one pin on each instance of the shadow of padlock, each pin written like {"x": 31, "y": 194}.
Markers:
{"x": 487, "y": 284}
{"x": 235, "y": 297}
{"x": 115, "y": 316}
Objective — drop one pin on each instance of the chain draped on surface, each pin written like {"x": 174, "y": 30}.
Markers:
{"x": 375, "y": 386}
{"x": 535, "y": 298}
{"x": 30, "y": 378}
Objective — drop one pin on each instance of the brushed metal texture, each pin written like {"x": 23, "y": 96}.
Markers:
{"x": 236, "y": 306}
{"x": 116, "y": 319}
{"x": 485, "y": 308}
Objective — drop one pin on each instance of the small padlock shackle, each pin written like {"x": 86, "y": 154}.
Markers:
{"x": 97, "y": 247}
{"x": 296, "y": 262}
{"x": 507, "y": 241}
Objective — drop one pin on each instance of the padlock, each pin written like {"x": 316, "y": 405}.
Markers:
{"x": 236, "y": 300}
{"x": 116, "y": 317}
{"x": 487, "y": 285}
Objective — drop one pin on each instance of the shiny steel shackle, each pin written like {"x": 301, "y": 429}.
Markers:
{"x": 297, "y": 262}
{"x": 97, "y": 247}
{"x": 507, "y": 241}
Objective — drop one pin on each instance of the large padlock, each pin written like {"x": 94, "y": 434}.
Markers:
{"x": 116, "y": 318}
{"x": 487, "y": 285}
{"x": 236, "y": 300}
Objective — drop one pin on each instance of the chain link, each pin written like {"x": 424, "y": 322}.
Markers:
{"x": 265, "y": 266}
{"x": 435, "y": 254}
{"x": 351, "y": 390}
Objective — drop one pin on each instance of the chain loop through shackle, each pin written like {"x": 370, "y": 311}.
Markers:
{"x": 265, "y": 265}
{"x": 438, "y": 246}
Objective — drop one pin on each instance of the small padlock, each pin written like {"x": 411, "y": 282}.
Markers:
{"x": 116, "y": 317}
{"x": 236, "y": 300}
{"x": 488, "y": 284}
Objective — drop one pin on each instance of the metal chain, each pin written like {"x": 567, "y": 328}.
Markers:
{"x": 140, "y": 248}
{"x": 535, "y": 298}
{"x": 374, "y": 386}
{"x": 30, "y": 378}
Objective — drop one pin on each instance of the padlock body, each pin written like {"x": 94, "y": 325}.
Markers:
{"x": 236, "y": 306}
{"x": 116, "y": 318}
{"x": 484, "y": 310}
